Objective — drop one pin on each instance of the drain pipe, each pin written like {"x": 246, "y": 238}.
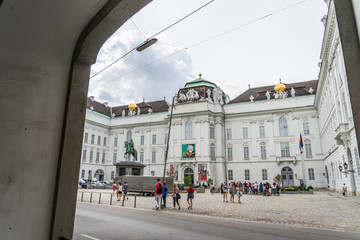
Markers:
{"x": 226, "y": 177}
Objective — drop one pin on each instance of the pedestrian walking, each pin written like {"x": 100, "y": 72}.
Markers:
{"x": 114, "y": 188}
{"x": 119, "y": 191}
{"x": 344, "y": 190}
{"x": 158, "y": 194}
{"x": 256, "y": 187}
{"x": 164, "y": 194}
{"x": 126, "y": 189}
{"x": 238, "y": 192}
{"x": 212, "y": 188}
{"x": 232, "y": 191}
{"x": 190, "y": 196}
{"x": 176, "y": 195}
{"x": 225, "y": 192}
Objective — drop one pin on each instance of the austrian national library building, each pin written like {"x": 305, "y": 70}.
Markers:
{"x": 252, "y": 137}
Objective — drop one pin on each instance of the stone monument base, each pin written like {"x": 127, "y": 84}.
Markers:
{"x": 129, "y": 168}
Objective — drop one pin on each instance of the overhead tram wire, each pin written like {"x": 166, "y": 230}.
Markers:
{"x": 151, "y": 37}
{"x": 198, "y": 43}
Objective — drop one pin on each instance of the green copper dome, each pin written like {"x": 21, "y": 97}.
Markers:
{"x": 200, "y": 83}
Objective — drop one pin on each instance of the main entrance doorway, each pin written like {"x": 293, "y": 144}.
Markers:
{"x": 189, "y": 172}
{"x": 287, "y": 176}
{"x": 99, "y": 174}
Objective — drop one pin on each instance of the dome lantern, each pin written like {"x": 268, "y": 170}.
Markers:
{"x": 280, "y": 87}
{"x": 132, "y": 106}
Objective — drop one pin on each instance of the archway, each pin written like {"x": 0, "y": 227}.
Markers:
{"x": 189, "y": 172}
{"x": 287, "y": 176}
{"x": 99, "y": 175}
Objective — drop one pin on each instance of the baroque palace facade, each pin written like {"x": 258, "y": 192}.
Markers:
{"x": 253, "y": 137}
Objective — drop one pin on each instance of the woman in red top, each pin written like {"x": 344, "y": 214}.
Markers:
{"x": 190, "y": 196}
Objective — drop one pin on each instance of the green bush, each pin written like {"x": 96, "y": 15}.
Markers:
{"x": 310, "y": 187}
{"x": 187, "y": 180}
{"x": 290, "y": 189}
{"x": 296, "y": 188}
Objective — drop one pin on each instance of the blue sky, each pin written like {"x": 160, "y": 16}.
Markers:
{"x": 283, "y": 45}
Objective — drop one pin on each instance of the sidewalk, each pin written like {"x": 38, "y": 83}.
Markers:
{"x": 323, "y": 209}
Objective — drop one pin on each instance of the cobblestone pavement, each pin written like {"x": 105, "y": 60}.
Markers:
{"x": 323, "y": 209}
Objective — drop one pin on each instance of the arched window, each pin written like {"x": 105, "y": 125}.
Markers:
{"x": 212, "y": 131}
{"x": 283, "y": 127}
{"x": 263, "y": 150}
{"x": 129, "y": 136}
{"x": 230, "y": 152}
{"x": 212, "y": 151}
{"x": 188, "y": 129}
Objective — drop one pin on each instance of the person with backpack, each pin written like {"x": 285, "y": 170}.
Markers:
{"x": 158, "y": 194}
{"x": 190, "y": 196}
{"x": 164, "y": 194}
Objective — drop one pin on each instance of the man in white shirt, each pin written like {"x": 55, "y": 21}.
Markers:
{"x": 256, "y": 187}
{"x": 344, "y": 190}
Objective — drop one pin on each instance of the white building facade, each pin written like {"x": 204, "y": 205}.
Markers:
{"x": 252, "y": 138}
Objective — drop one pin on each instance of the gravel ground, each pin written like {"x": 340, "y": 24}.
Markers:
{"x": 323, "y": 209}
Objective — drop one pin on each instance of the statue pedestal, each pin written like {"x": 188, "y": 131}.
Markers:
{"x": 129, "y": 168}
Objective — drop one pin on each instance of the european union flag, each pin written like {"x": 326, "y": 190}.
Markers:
{"x": 301, "y": 145}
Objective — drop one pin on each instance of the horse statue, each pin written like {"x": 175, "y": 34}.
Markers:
{"x": 130, "y": 150}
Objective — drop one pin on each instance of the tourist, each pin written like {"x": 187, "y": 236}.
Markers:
{"x": 344, "y": 190}
{"x": 119, "y": 191}
{"x": 232, "y": 192}
{"x": 190, "y": 196}
{"x": 238, "y": 192}
{"x": 277, "y": 190}
{"x": 225, "y": 192}
{"x": 222, "y": 189}
{"x": 114, "y": 188}
{"x": 176, "y": 195}
{"x": 256, "y": 187}
{"x": 261, "y": 188}
{"x": 245, "y": 187}
{"x": 126, "y": 189}
{"x": 158, "y": 194}
{"x": 164, "y": 194}
{"x": 212, "y": 188}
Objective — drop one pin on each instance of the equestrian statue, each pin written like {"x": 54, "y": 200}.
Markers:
{"x": 130, "y": 150}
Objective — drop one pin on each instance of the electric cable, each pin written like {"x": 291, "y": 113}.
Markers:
{"x": 198, "y": 43}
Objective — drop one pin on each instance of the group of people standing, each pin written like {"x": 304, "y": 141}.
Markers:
{"x": 246, "y": 188}
{"x": 121, "y": 190}
{"x": 161, "y": 191}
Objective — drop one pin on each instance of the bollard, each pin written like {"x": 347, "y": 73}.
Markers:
{"x": 111, "y": 198}
{"x": 99, "y": 198}
{"x": 82, "y": 196}
{"x": 135, "y": 201}
{"x": 123, "y": 200}
{"x": 90, "y": 197}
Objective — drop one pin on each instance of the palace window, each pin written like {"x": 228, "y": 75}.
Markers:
{"x": 285, "y": 149}
{"x": 230, "y": 174}
{"x": 114, "y": 157}
{"x": 212, "y": 132}
{"x": 84, "y": 156}
{"x": 264, "y": 174}
{"x": 246, "y": 152}
{"x": 152, "y": 173}
{"x": 142, "y": 140}
{"x": 129, "y": 136}
{"x": 228, "y": 134}
{"x": 83, "y": 173}
{"x": 263, "y": 151}
{"x": 262, "y": 131}
{"x": 86, "y": 137}
{"x": 103, "y": 158}
{"x": 212, "y": 151}
{"x": 141, "y": 157}
{"x": 97, "y": 157}
{"x": 153, "y": 156}
{"x": 105, "y": 141}
{"x": 311, "y": 174}
{"x": 89, "y": 174}
{"x": 112, "y": 175}
{"x": 91, "y": 156}
{"x": 154, "y": 139}
{"x": 245, "y": 132}
{"x": 166, "y": 137}
{"x": 283, "y": 127}
{"x": 92, "y": 138}
{"x": 115, "y": 142}
{"x": 308, "y": 149}
{"x": 247, "y": 174}
{"x": 306, "y": 128}
{"x": 230, "y": 153}
{"x": 99, "y": 140}
{"x": 188, "y": 129}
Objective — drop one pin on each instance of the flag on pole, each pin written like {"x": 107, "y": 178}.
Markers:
{"x": 301, "y": 145}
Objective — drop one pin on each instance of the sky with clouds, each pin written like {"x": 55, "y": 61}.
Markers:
{"x": 232, "y": 43}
